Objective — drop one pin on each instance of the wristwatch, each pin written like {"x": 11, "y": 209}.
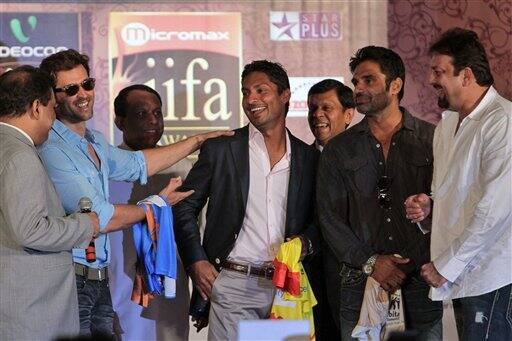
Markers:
{"x": 368, "y": 267}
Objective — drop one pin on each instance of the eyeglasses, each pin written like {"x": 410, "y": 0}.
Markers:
{"x": 72, "y": 89}
{"x": 383, "y": 196}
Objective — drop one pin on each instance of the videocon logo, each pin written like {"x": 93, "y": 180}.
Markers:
{"x": 17, "y": 29}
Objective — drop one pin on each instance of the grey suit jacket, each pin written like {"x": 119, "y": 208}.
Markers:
{"x": 38, "y": 298}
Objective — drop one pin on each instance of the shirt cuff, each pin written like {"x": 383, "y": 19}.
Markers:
{"x": 143, "y": 177}
{"x": 449, "y": 267}
{"x": 105, "y": 213}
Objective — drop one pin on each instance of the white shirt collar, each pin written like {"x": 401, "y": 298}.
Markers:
{"x": 476, "y": 114}
{"x": 253, "y": 132}
{"x": 318, "y": 146}
{"x": 20, "y": 130}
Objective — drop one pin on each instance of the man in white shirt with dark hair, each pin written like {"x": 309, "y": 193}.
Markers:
{"x": 471, "y": 203}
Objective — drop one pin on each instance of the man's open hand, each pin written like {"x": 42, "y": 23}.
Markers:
{"x": 172, "y": 196}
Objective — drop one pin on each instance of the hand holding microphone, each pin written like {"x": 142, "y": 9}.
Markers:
{"x": 85, "y": 206}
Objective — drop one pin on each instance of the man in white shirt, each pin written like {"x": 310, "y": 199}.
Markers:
{"x": 471, "y": 245}
{"x": 260, "y": 187}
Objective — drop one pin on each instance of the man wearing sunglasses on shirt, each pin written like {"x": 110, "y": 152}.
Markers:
{"x": 80, "y": 163}
{"x": 364, "y": 177}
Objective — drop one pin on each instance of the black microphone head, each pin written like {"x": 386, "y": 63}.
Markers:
{"x": 85, "y": 204}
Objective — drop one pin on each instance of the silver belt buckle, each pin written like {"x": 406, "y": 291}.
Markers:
{"x": 96, "y": 274}
{"x": 269, "y": 272}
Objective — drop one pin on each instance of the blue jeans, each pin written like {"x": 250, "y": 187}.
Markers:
{"x": 95, "y": 307}
{"x": 423, "y": 317}
{"x": 485, "y": 317}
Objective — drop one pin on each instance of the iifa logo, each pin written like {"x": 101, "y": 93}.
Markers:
{"x": 305, "y": 25}
{"x": 17, "y": 30}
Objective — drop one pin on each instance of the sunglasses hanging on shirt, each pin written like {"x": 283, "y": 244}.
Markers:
{"x": 383, "y": 196}
{"x": 72, "y": 89}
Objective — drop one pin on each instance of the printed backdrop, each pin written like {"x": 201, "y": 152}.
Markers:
{"x": 193, "y": 53}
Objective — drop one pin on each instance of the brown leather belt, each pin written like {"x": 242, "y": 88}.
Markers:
{"x": 91, "y": 273}
{"x": 266, "y": 272}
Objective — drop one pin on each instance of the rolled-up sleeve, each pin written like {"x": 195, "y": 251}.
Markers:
{"x": 126, "y": 165}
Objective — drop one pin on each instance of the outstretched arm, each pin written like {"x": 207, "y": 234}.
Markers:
{"x": 158, "y": 159}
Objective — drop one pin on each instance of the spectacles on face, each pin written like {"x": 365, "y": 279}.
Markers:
{"x": 72, "y": 89}
{"x": 383, "y": 196}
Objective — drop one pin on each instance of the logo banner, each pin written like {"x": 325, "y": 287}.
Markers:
{"x": 192, "y": 60}
{"x": 27, "y": 38}
{"x": 305, "y": 25}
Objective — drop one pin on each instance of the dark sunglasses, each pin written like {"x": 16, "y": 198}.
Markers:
{"x": 72, "y": 89}
{"x": 383, "y": 196}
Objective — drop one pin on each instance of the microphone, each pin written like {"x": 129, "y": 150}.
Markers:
{"x": 85, "y": 206}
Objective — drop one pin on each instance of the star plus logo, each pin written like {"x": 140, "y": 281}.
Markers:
{"x": 305, "y": 26}
{"x": 284, "y": 26}
{"x": 17, "y": 30}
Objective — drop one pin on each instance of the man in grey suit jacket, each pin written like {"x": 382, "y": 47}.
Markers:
{"x": 38, "y": 298}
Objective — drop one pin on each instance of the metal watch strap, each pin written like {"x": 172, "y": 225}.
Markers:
{"x": 368, "y": 266}
{"x": 371, "y": 261}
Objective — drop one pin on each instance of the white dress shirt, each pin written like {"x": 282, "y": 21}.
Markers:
{"x": 263, "y": 227}
{"x": 471, "y": 242}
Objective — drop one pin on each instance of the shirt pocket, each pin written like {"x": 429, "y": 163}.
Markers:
{"x": 419, "y": 167}
{"x": 357, "y": 170}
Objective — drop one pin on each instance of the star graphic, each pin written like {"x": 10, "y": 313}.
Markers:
{"x": 284, "y": 26}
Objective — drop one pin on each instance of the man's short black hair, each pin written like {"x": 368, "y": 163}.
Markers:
{"x": 20, "y": 87}
{"x": 390, "y": 63}
{"x": 274, "y": 71}
{"x": 344, "y": 93}
{"x": 64, "y": 61}
{"x": 466, "y": 50}
{"x": 120, "y": 100}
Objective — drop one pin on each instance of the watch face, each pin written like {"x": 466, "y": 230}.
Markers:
{"x": 367, "y": 269}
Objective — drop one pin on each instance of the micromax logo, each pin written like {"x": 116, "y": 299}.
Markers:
{"x": 138, "y": 34}
{"x": 135, "y": 34}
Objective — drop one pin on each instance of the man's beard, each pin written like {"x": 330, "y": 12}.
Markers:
{"x": 67, "y": 113}
{"x": 70, "y": 117}
{"x": 442, "y": 102}
{"x": 377, "y": 103}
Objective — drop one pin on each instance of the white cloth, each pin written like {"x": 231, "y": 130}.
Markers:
{"x": 374, "y": 312}
{"x": 263, "y": 228}
{"x": 471, "y": 243}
